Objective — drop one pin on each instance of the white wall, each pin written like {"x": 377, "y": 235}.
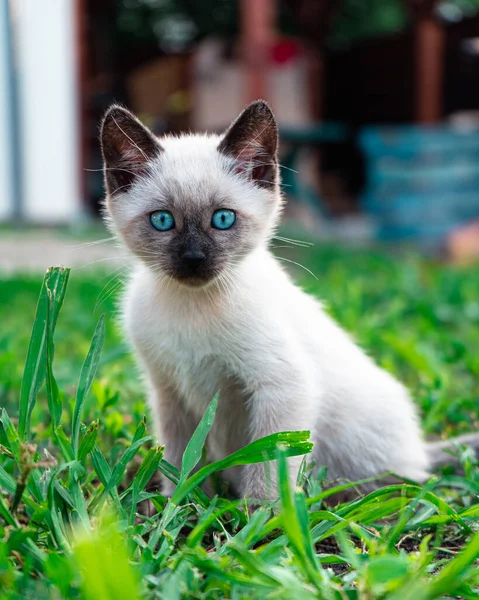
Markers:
{"x": 6, "y": 155}
{"x": 49, "y": 120}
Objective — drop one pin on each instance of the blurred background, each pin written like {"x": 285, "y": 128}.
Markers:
{"x": 377, "y": 101}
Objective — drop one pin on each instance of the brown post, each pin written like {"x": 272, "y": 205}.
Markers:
{"x": 429, "y": 56}
{"x": 257, "y": 25}
{"x": 316, "y": 80}
{"x": 429, "y": 70}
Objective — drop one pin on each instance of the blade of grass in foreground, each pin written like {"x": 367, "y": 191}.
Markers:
{"x": 193, "y": 451}
{"x": 296, "y": 526}
{"x": 87, "y": 376}
{"x": 447, "y": 583}
{"x": 56, "y": 280}
{"x": 53, "y": 395}
{"x": 295, "y": 443}
{"x": 103, "y": 562}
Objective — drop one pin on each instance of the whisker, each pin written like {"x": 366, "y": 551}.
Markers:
{"x": 110, "y": 169}
{"x": 286, "y": 247}
{"x": 229, "y": 275}
{"x": 299, "y": 265}
{"x": 288, "y": 168}
{"x": 117, "y": 271}
{"x": 105, "y": 293}
{"x": 293, "y": 242}
{"x": 227, "y": 286}
{"x": 271, "y": 164}
{"x": 99, "y": 260}
{"x": 210, "y": 298}
{"x": 94, "y": 243}
{"x": 269, "y": 182}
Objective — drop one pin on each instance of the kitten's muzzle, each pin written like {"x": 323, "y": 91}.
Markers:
{"x": 193, "y": 267}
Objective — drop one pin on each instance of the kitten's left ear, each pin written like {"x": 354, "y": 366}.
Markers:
{"x": 253, "y": 141}
{"x": 127, "y": 147}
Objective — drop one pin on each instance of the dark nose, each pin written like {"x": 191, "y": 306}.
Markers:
{"x": 194, "y": 257}
{"x": 193, "y": 261}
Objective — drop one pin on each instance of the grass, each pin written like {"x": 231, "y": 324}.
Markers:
{"x": 78, "y": 459}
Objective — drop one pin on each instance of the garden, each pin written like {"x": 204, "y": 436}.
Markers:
{"x": 81, "y": 514}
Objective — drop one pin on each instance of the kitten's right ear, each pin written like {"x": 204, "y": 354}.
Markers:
{"x": 127, "y": 147}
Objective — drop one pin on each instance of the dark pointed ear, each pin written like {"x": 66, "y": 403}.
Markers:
{"x": 253, "y": 141}
{"x": 127, "y": 147}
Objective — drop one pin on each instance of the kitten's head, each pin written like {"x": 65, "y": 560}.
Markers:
{"x": 194, "y": 205}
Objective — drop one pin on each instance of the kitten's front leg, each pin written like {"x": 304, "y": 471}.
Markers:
{"x": 176, "y": 426}
{"x": 274, "y": 409}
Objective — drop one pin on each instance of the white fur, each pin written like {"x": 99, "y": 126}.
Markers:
{"x": 280, "y": 361}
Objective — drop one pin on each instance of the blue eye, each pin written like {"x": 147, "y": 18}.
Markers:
{"x": 162, "y": 220}
{"x": 223, "y": 219}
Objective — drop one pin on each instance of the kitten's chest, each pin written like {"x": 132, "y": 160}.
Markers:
{"x": 197, "y": 366}
{"x": 188, "y": 350}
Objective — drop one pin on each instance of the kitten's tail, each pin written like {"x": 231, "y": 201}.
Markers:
{"x": 438, "y": 452}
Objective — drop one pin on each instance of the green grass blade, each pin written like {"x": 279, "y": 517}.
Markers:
{"x": 304, "y": 525}
{"x": 140, "y": 430}
{"x": 53, "y": 395}
{"x": 103, "y": 562}
{"x": 103, "y": 471}
{"x": 146, "y": 471}
{"x": 148, "y": 467}
{"x": 56, "y": 280}
{"x": 207, "y": 519}
{"x": 12, "y": 436}
{"x": 7, "y": 483}
{"x": 295, "y": 444}
{"x": 88, "y": 441}
{"x": 6, "y": 515}
{"x": 79, "y": 499}
{"x": 101, "y": 466}
{"x": 16, "y": 447}
{"x": 87, "y": 376}
{"x": 293, "y": 525}
{"x": 192, "y": 454}
{"x": 126, "y": 458}
{"x": 446, "y": 583}
{"x": 109, "y": 478}
{"x": 56, "y": 524}
{"x": 452, "y": 574}
{"x": 169, "y": 471}
{"x": 64, "y": 443}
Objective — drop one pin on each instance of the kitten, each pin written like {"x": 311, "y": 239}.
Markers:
{"x": 209, "y": 308}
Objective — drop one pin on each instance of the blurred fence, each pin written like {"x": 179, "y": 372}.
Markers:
{"x": 421, "y": 181}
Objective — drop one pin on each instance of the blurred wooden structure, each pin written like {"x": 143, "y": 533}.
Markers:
{"x": 257, "y": 33}
{"x": 419, "y": 55}
{"x": 430, "y": 40}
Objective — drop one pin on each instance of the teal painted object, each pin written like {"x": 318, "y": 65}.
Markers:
{"x": 421, "y": 181}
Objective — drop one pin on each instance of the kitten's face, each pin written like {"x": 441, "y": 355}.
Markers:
{"x": 192, "y": 207}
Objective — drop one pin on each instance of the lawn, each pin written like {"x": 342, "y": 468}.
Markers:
{"x": 77, "y": 456}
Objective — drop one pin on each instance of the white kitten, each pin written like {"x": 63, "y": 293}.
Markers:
{"x": 209, "y": 308}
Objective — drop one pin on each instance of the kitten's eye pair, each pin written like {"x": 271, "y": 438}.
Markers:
{"x": 163, "y": 220}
